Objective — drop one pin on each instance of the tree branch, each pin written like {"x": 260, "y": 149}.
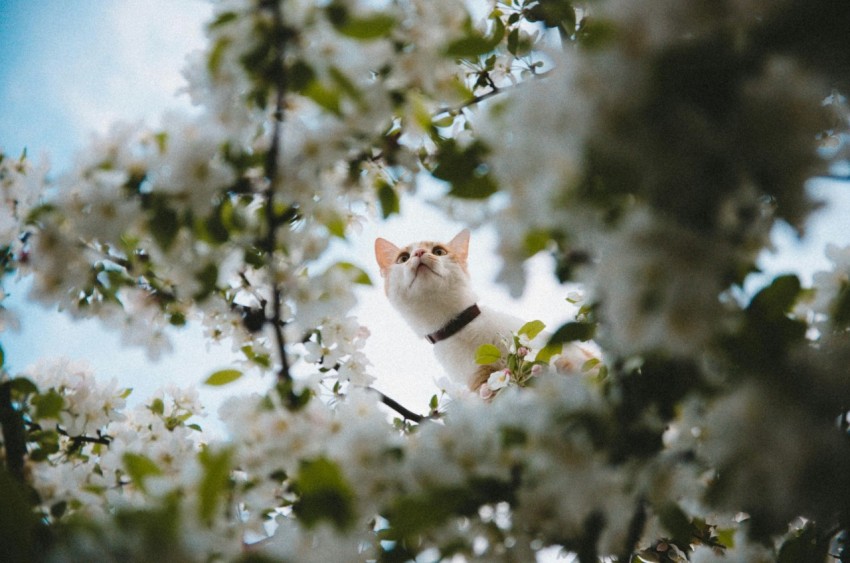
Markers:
{"x": 487, "y": 95}
{"x": 14, "y": 436}
{"x": 397, "y": 407}
{"x": 636, "y": 527}
{"x": 272, "y": 166}
{"x": 78, "y": 441}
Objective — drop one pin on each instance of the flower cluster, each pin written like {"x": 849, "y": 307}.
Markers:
{"x": 529, "y": 353}
{"x": 324, "y": 472}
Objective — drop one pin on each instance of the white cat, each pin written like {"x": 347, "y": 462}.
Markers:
{"x": 428, "y": 283}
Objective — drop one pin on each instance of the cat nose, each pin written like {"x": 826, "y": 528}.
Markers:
{"x": 419, "y": 252}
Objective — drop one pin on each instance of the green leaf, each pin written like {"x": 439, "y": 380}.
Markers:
{"x": 553, "y": 13}
{"x": 487, "y": 354}
{"x": 545, "y": 355}
{"x": 213, "y": 229}
{"x": 157, "y": 407}
{"x": 416, "y": 513}
{"x": 217, "y": 55}
{"x": 513, "y": 41}
{"x": 163, "y": 222}
{"x": 207, "y": 280}
{"x": 841, "y": 306}
{"x": 778, "y": 298}
{"x": 324, "y": 494}
{"x": 573, "y": 331}
{"x": 725, "y": 536}
{"x": 263, "y": 360}
{"x": 223, "y": 377}
{"x": 22, "y": 386}
{"x": 388, "y": 198}
{"x": 323, "y": 96}
{"x": 768, "y": 332}
{"x": 177, "y": 318}
{"x": 214, "y": 484}
{"x": 464, "y": 168}
{"x": 223, "y": 19}
{"x": 513, "y": 436}
{"x": 139, "y": 467}
{"x": 2, "y": 356}
{"x": 677, "y": 523}
{"x": 359, "y": 276}
{"x": 595, "y": 34}
{"x": 336, "y": 226}
{"x": 536, "y": 241}
{"x": 804, "y": 546}
{"x": 367, "y": 28}
{"x": 445, "y": 121}
{"x": 48, "y": 405}
{"x": 476, "y": 44}
{"x": 294, "y": 400}
{"x": 531, "y": 329}
{"x": 590, "y": 364}
{"x": 254, "y": 257}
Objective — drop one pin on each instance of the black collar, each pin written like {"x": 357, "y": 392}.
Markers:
{"x": 455, "y": 325}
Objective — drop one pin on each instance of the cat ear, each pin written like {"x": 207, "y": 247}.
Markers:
{"x": 460, "y": 245}
{"x": 386, "y": 253}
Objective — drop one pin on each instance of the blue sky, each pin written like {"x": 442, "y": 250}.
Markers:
{"x": 68, "y": 68}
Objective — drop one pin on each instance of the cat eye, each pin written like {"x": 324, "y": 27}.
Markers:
{"x": 439, "y": 251}
{"x": 402, "y": 258}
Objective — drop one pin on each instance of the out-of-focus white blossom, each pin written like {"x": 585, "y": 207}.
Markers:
{"x": 658, "y": 285}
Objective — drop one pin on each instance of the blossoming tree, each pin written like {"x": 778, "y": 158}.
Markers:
{"x": 649, "y": 146}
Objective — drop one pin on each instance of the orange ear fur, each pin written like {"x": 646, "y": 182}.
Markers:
{"x": 385, "y": 253}
{"x": 460, "y": 245}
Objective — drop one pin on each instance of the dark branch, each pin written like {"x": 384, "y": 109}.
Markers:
{"x": 272, "y": 165}
{"x": 470, "y": 102}
{"x": 78, "y": 441}
{"x": 397, "y": 407}
{"x": 494, "y": 91}
{"x": 14, "y": 435}
{"x": 636, "y": 528}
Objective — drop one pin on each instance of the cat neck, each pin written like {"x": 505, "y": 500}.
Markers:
{"x": 430, "y": 314}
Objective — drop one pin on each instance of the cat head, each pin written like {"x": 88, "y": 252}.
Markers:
{"x": 426, "y": 275}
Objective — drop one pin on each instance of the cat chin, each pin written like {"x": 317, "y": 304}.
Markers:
{"x": 423, "y": 273}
